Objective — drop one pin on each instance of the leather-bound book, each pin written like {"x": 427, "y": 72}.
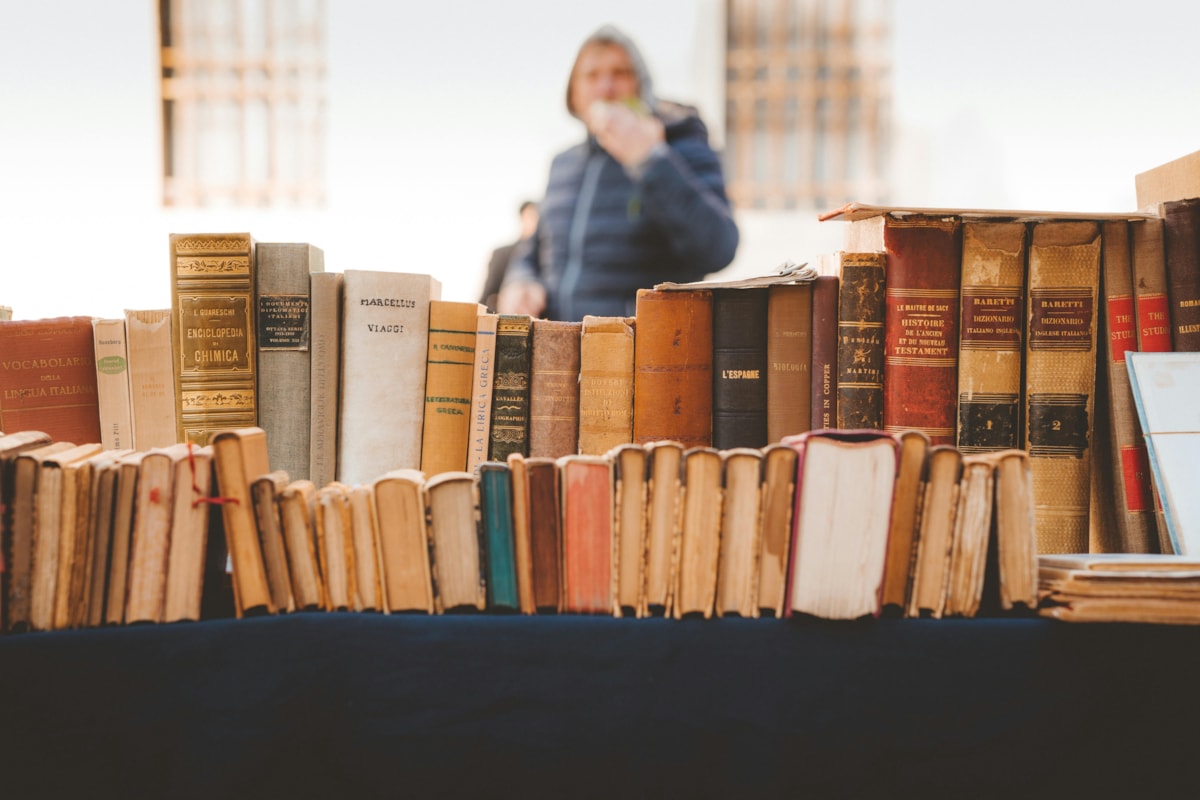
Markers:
{"x": 189, "y": 533}
{"x": 456, "y": 555}
{"x": 510, "y": 387}
{"x": 921, "y": 338}
{"x": 240, "y": 456}
{"x": 483, "y": 369}
{"x": 861, "y": 282}
{"x": 629, "y": 477}
{"x": 587, "y": 534}
{"x": 739, "y": 364}
{"x": 605, "y": 384}
{"x": 151, "y": 540}
{"x": 1181, "y": 247}
{"x": 448, "y": 395}
{"x": 21, "y": 498}
{"x": 213, "y": 333}
{"x": 741, "y": 532}
{"x": 545, "y": 533}
{"x": 48, "y": 378}
{"x": 496, "y": 519}
{"x": 325, "y": 340}
{"x": 385, "y": 344}
{"x": 699, "y": 533}
{"x": 991, "y": 345}
{"x": 151, "y": 378}
{"x": 284, "y": 302}
{"x": 403, "y": 540}
{"x": 554, "y": 389}
{"x": 112, "y": 383}
{"x": 297, "y": 514}
{"x": 1060, "y": 378}
{"x": 264, "y": 492}
{"x": 664, "y": 514}
{"x": 335, "y": 547}
{"x": 904, "y": 528}
{"x": 824, "y": 352}
{"x": 778, "y": 493}
{"x": 789, "y": 359}
{"x": 364, "y": 540}
{"x": 673, "y": 353}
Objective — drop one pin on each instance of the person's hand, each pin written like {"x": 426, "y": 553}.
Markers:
{"x": 627, "y": 135}
{"x": 522, "y": 297}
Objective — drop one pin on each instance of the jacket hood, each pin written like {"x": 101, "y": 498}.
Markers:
{"x": 609, "y": 34}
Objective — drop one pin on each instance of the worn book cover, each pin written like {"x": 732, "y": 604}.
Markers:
{"x": 739, "y": 364}
{"x": 589, "y": 563}
{"x": 264, "y": 492}
{"x": 699, "y": 532}
{"x": 213, "y": 334}
{"x": 605, "y": 384}
{"x": 283, "y": 303}
{"x": 629, "y": 501}
{"x": 935, "y": 540}
{"x": 21, "y": 497}
{"x": 456, "y": 552}
{"x": 1181, "y": 248}
{"x": 673, "y": 353}
{"x": 297, "y": 514}
{"x": 240, "y": 456}
{"x": 151, "y": 378}
{"x": 151, "y": 539}
{"x": 403, "y": 540}
{"x": 907, "y": 498}
{"x": 554, "y": 388}
{"x": 448, "y": 394}
{"x": 103, "y": 496}
{"x": 861, "y": 282}
{"x": 545, "y": 533}
{"x": 189, "y": 532}
{"x": 124, "y": 505}
{"x": 510, "y": 387}
{"x": 789, "y": 360}
{"x": 48, "y": 378}
{"x": 496, "y": 518}
{"x": 364, "y": 540}
{"x": 522, "y": 541}
{"x": 335, "y": 547}
{"x": 972, "y": 533}
{"x": 778, "y": 494}
{"x": 741, "y": 532}
{"x": 483, "y": 370}
{"x": 664, "y": 515}
{"x": 112, "y": 383}
{"x": 823, "y": 402}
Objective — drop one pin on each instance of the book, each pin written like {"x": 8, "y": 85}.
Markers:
{"x": 921, "y": 332}
{"x": 112, "y": 383}
{"x": 1173, "y": 180}
{"x": 741, "y": 532}
{"x": 385, "y": 344}
{"x": 1181, "y": 255}
{"x": 789, "y": 360}
{"x": 629, "y": 518}
{"x": 545, "y": 533}
{"x": 1015, "y": 530}
{"x": 972, "y": 532}
{"x": 264, "y": 494}
{"x": 403, "y": 540}
{"x": 76, "y": 561}
{"x": 6, "y": 313}
{"x": 699, "y": 533}
{"x": 212, "y": 333}
{"x": 664, "y": 515}
{"x": 778, "y": 502}
{"x": 48, "y": 378}
{"x": 125, "y": 493}
{"x": 325, "y": 359}
{"x": 95, "y": 573}
{"x": 862, "y": 278}
{"x": 823, "y": 402}
{"x": 521, "y": 532}
{"x": 496, "y": 519}
{"x": 606, "y": 352}
{"x": 297, "y": 514}
{"x": 589, "y": 561}
{"x": 283, "y": 317}
{"x": 1164, "y": 386}
{"x": 1060, "y": 377}
{"x": 11, "y": 446}
{"x": 189, "y": 532}
{"x": 739, "y": 368}
{"x": 788, "y": 273}
{"x": 907, "y": 497}
{"x": 554, "y": 388}
{"x": 335, "y": 547}
{"x": 240, "y": 456}
{"x": 150, "y": 541}
{"x": 935, "y": 539}
{"x": 448, "y": 396}
{"x": 673, "y": 368}
{"x": 455, "y": 553}
{"x": 844, "y": 483}
{"x": 364, "y": 541}
{"x": 510, "y": 387}
{"x": 18, "y": 555}
{"x": 151, "y": 378}
{"x": 991, "y": 345}
{"x": 482, "y": 370}
{"x": 1125, "y": 491}
{"x": 1120, "y": 587}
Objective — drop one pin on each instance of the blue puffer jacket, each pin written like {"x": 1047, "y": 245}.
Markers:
{"x": 605, "y": 233}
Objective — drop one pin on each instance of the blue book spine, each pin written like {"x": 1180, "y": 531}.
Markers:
{"x": 495, "y": 494}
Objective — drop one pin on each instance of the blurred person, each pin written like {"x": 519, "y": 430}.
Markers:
{"x": 527, "y": 220}
{"x": 640, "y": 201}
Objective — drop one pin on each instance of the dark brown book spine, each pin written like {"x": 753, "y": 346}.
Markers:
{"x": 545, "y": 536}
{"x": 824, "y": 352}
{"x": 510, "y": 387}
{"x": 789, "y": 360}
{"x": 860, "y": 341}
{"x": 1181, "y": 243}
{"x": 739, "y": 332}
{"x": 48, "y": 378}
{"x": 672, "y": 397}
{"x": 554, "y": 389}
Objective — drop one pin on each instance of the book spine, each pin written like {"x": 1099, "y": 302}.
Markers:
{"x": 545, "y": 534}
{"x": 48, "y": 378}
{"x": 587, "y": 535}
{"x": 510, "y": 387}
{"x": 739, "y": 368}
{"x": 1181, "y": 245}
{"x": 824, "y": 352}
{"x": 921, "y": 333}
{"x": 151, "y": 540}
{"x": 860, "y": 341}
{"x": 991, "y": 346}
{"x": 325, "y": 340}
{"x": 789, "y": 360}
{"x": 605, "y": 384}
{"x": 673, "y": 354}
{"x": 700, "y": 533}
{"x": 112, "y": 383}
{"x": 151, "y": 378}
{"x": 495, "y": 509}
{"x": 482, "y": 372}
{"x": 554, "y": 389}
{"x": 448, "y": 396}
{"x": 213, "y": 334}
{"x": 284, "y": 337}
{"x": 1064, "y": 271}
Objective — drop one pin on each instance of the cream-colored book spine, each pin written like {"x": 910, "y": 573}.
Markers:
{"x": 151, "y": 378}
{"x": 112, "y": 383}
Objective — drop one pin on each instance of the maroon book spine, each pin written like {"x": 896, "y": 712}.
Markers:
{"x": 1181, "y": 243}
{"x": 824, "y": 352}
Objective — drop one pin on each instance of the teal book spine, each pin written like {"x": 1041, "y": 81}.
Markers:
{"x": 495, "y": 503}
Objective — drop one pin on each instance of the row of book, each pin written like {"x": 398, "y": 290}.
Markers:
{"x": 834, "y": 524}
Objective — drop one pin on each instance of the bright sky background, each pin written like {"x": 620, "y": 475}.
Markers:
{"x": 443, "y": 117}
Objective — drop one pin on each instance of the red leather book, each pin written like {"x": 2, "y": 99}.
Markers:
{"x": 48, "y": 378}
